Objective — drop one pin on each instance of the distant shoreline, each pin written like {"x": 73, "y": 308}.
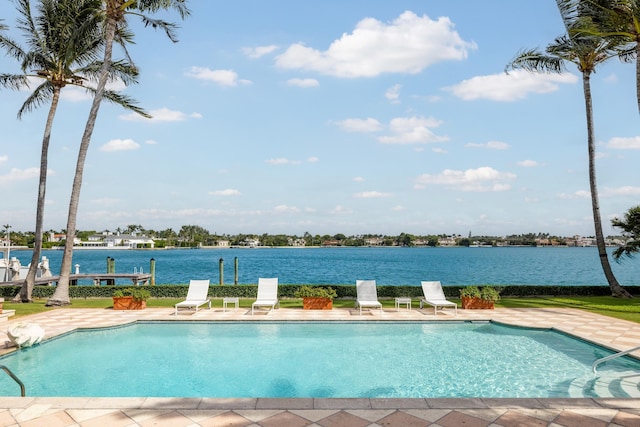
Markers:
{"x": 126, "y": 248}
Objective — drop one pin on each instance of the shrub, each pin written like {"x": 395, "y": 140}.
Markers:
{"x": 306, "y": 291}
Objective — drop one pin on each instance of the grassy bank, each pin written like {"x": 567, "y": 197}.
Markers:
{"x": 627, "y": 309}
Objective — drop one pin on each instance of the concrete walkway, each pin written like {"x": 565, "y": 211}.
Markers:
{"x": 59, "y": 411}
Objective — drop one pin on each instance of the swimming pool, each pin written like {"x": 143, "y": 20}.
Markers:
{"x": 319, "y": 359}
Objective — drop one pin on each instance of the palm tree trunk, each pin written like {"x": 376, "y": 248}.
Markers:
{"x": 27, "y": 286}
{"x": 61, "y": 294}
{"x": 616, "y": 289}
{"x": 638, "y": 72}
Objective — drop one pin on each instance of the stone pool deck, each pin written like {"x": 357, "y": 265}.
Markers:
{"x": 585, "y": 412}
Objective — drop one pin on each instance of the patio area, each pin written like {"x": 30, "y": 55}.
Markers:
{"x": 58, "y": 411}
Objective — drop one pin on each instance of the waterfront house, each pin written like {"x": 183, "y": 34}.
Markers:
{"x": 128, "y": 240}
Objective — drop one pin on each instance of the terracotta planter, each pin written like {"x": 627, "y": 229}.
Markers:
{"x": 128, "y": 303}
{"x": 137, "y": 305}
{"x": 316, "y": 303}
{"x": 122, "y": 303}
{"x": 469, "y": 303}
{"x": 1, "y": 302}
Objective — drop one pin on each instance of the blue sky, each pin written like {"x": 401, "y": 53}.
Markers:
{"x": 354, "y": 117}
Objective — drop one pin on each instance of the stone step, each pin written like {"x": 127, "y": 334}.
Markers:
{"x": 614, "y": 384}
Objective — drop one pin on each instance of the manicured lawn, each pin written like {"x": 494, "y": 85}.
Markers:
{"x": 627, "y": 309}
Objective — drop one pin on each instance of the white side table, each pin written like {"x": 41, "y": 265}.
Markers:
{"x": 230, "y": 300}
{"x": 403, "y": 300}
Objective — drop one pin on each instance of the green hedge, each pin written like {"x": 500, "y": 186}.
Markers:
{"x": 343, "y": 291}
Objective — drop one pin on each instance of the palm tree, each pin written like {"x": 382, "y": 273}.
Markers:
{"x": 65, "y": 41}
{"x": 115, "y": 14}
{"x": 618, "y": 21}
{"x": 586, "y": 52}
{"x": 630, "y": 226}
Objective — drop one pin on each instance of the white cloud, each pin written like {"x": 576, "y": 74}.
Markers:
{"x": 161, "y": 115}
{"x": 360, "y": 125}
{"x": 528, "y": 163}
{"x": 4, "y": 159}
{"x": 393, "y": 94}
{"x": 620, "y": 191}
{"x": 580, "y": 194}
{"x": 371, "y": 195}
{"x": 227, "y": 192}
{"x": 491, "y": 145}
{"x": 618, "y": 143}
{"x": 398, "y": 208}
{"x": 286, "y": 209}
{"x": 303, "y": 82}
{"x": 120, "y": 145}
{"x": 283, "y": 161}
{"x": 151, "y": 142}
{"x": 259, "y": 51}
{"x": 19, "y": 175}
{"x": 313, "y": 159}
{"x": 358, "y": 179}
{"x": 516, "y": 85}
{"x": 409, "y": 44}
{"x": 340, "y": 210}
{"x": 412, "y": 130}
{"x": 221, "y": 77}
{"x": 477, "y": 180}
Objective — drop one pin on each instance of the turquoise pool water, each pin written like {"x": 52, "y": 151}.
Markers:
{"x": 317, "y": 359}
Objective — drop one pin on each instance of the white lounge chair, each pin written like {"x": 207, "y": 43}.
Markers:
{"x": 267, "y": 294}
{"x": 196, "y": 295}
{"x": 434, "y": 296}
{"x": 367, "y": 295}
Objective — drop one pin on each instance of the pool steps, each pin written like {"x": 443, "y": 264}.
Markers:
{"x": 604, "y": 386}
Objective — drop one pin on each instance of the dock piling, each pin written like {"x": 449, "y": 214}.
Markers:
{"x": 152, "y": 270}
{"x": 235, "y": 270}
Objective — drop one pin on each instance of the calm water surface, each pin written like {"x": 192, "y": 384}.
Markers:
{"x": 389, "y": 266}
{"x": 264, "y": 359}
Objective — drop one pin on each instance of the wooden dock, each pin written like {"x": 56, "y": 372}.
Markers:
{"x": 109, "y": 279}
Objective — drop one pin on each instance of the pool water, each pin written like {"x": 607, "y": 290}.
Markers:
{"x": 318, "y": 359}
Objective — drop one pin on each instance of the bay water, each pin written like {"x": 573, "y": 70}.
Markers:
{"x": 568, "y": 266}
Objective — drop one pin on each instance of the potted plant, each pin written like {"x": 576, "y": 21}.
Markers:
{"x": 316, "y": 298}
{"x": 474, "y": 297}
{"x": 130, "y": 299}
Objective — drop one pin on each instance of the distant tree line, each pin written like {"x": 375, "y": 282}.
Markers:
{"x": 197, "y": 236}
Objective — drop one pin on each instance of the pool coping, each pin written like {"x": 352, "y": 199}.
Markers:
{"x": 205, "y": 403}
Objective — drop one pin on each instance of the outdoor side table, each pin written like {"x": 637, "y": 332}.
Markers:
{"x": 403, "y": 300}
{"x": 230, "y": 300}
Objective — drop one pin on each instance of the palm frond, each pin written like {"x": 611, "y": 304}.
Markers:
{"x": 14, "y": 81}
{"x": 122, "y": 100}
{"x": 534, "y": 60}
{"x": 169, "y": 28}
{"x": 42, "y": 94}
{"x": 153, "y": 6}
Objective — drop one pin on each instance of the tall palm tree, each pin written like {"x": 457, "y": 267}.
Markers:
{"x": 586, "y": 52}
{"x": 115, "y": 13}
{"x": 64, "y": 39}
